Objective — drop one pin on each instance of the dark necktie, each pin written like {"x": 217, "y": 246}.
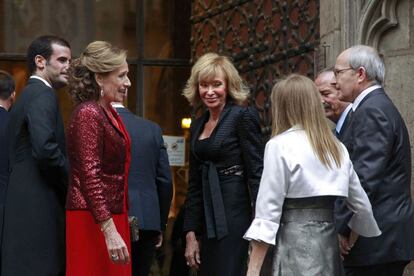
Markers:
{"x": 347, "y": 121}
{"x": 336, "y": 133}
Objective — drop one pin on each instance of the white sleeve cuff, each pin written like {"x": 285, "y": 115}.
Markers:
{"x": 364, "y": 225}
{"x": 262, "y": 230}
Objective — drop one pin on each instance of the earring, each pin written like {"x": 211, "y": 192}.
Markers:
{"x": 102, "y": 93}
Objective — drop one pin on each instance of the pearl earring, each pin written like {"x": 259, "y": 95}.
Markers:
{"x": 102, "y": 93}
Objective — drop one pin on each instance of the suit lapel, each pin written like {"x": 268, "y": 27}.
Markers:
{"x": 215, "y": 139}
{"x": 117, "y": 124}
{"x": 346, "y": 135}
{"x": 197, "y": 129}
{"x": 217, "y": 136}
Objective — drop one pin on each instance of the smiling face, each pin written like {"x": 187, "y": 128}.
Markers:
{"x": 55, "y": 69}
{"x": 114, "y": 84}
{"x": 326, "y": 84}
{"x": 213, "y": 91}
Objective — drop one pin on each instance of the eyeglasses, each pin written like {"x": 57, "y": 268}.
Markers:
{"x": 338, "y": 71}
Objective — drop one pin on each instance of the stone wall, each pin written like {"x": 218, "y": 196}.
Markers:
{"x": 387, "y": 25}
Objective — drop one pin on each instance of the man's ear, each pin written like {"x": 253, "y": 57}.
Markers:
{"x": 362, "y": 74}
{"x": 13, "y": 96}
{"x": 40, "y": 62}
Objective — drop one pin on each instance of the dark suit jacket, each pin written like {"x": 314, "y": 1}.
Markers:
{"x": 4, "y": 163}
{"x": 236, "y": 140}
{"x": 34, "y": 220}
{"x": 4, "y": 155}
{"x": 379, "y": 147}
{"x": 149, "y": 181}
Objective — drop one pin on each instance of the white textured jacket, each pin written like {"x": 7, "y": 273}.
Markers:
{"x": 292, "y": 170}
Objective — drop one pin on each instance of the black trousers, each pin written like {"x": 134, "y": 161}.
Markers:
{"x": 388, "y": 269}
{"x": 143, "y": 252}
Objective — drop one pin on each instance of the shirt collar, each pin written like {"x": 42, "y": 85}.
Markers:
{"x": 341, "y": 120}
{"x": 363, "y": 94}
{"x": 117, "y": 105}
{"x": 42, "y": 79}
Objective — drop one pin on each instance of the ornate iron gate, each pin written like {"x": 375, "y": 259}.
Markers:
{"x": 266, "y": 39}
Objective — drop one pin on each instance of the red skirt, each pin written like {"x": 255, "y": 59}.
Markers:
{"x": 86, "y": 252}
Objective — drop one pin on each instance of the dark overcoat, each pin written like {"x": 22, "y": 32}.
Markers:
{"x": 149, "y": 180}
{"x": 34, "y": 221}
{"x": 4, "y": 163}
{"x": 378, "y": 143}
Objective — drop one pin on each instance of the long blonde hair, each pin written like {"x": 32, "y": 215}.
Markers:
{"x": 296, "y": 101}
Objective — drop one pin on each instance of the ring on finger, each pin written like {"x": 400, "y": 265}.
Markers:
{"x": 114, "y": 257}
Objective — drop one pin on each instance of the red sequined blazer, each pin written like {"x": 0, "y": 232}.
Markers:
{"x": 98, "y": 153}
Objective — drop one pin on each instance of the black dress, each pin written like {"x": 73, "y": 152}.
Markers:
{"x": 225, "y": 172}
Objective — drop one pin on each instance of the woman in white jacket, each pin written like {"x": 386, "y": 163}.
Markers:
{"x": 305, "y": 169}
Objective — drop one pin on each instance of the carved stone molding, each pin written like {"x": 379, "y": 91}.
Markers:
{"x": 377, "y": 17}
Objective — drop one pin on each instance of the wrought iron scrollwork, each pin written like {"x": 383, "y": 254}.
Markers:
{"x": 266, "y": 40}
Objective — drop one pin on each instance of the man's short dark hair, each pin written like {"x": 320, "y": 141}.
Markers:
{"x": 42, "y": 45}
{"x": 7, "y": 85}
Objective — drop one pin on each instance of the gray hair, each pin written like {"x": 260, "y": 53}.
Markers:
{"x": 368, "y": 58}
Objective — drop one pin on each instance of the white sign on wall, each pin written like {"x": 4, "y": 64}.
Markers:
{"x": 176, "y": 149}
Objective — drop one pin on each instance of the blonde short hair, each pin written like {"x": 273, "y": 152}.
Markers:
{"x": 206, "y": 68}
{"x": 296, "y": 101}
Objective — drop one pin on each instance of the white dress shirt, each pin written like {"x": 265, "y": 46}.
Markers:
{"x": 292, "y": 170}
{"x": 342, "y": 118}
{"x": 42, "y": 79}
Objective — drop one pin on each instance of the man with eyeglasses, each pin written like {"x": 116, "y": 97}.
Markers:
{"x": 379, "y": 146}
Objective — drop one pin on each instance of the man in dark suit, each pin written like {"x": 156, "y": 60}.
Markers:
{"x": 149, "y": 187}
{"x": 7, "y": 96}
{"x": 335, "y": 110}
{"x": 379, "y": 146}
{"x": 34, "y": 221}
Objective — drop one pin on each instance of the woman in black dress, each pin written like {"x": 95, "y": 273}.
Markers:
{"x": 226, "y": 160}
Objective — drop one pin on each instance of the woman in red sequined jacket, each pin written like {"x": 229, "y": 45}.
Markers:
{"x": 97, "y": 230}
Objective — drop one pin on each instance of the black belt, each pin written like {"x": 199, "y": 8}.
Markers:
{"x": 216, "y": 222}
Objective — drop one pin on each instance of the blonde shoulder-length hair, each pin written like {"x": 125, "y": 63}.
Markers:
{"x": 296, "y": 101}
{"x": 209, "y": 66}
